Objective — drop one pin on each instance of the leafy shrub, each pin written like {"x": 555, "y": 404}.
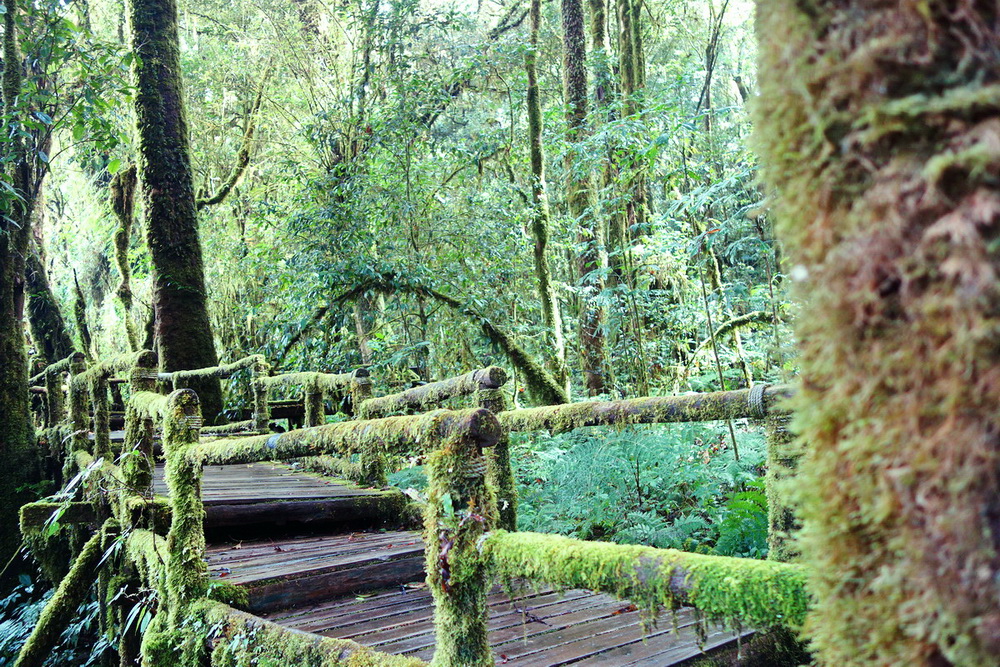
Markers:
{"x": 670, "y": 486}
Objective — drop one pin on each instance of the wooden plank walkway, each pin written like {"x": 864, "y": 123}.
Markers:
{"x": 317, "y": 571}
{"x": 274, "y": 494}
{"x": 535, "y": 628}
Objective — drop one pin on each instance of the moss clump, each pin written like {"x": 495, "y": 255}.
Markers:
{"x": 753, "y": 593}
{"x": 878, "y": 126}
{"x": 499, "y": 471}
{"x": 783, "y": 453}
{"x": 460, "y": 510}
{"x": 186, "y": 569}
{"x": 649, "y": 410}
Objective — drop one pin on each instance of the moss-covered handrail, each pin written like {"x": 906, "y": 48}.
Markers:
{"x": 61, "y": 366}
{"x": 222, "y": 371}
{"x": 419, "y": 398}
{"x": 755, "y": 593}
{"x": 756, "y": 403}
{"x": 105, "y": 369}
{"x": 316, "y": 386}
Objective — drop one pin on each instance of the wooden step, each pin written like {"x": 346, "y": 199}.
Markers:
{"x": 531, "y": 627}
{"x": 307, "y": 570}
{"x": 269, "y": 495}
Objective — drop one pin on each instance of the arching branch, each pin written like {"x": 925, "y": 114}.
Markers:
{"x": 243, "y": 157}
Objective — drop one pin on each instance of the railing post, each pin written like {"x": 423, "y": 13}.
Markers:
{"x": 499, "y": 471}
{"x": 137, "y": 464}
{"x": 78, "y": 417}
{"x": 460, "y": 510}
{"x": 361, "y": 389}
{"x": 100, "y": 401}
{"x": 313, "y": 399}
{"x": 261, "y": 411}
{"x": 55, "y": 402}
{"x": 186, "y": 568}
{"x": 782, "y": 459}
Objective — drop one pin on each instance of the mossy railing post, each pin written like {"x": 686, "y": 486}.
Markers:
{"x": 312, "y": 396}
{"x": 186, "y": 570}
{"x": 499, "y": 471}
{"x": 55, "y": 403}
{"x": 100, "y": 402}
{"x": 461, "y": 508}
{"x": 261, "y": 411}
{"x": 79, "y": 419}
{"x": 361, "y": 389}
{"x": 137, "y": 464}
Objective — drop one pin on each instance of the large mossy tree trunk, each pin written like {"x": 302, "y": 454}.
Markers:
{"x": 590, "y": 259}
{"x": 183, "y": 330}
{"x": 879, "y": 124}
{"x": 17, "y": 446}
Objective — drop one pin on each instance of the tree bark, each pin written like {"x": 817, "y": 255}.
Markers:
{"x": 578, "y": 186}
{"x": 183, "y": 330}
{"x": 879, "y": 124}
{"x": 48, "y": 327}
{"x": 551, "y": 314}
{"x": 16, "y": 432}
{"x": 122, "y": 191}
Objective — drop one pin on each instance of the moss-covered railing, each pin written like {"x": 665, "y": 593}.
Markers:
{"x": 258, "y": 368}
{"x": 458, "y": 514}
{"x": 484, "y": 387}
{"x": 317, "y": 387}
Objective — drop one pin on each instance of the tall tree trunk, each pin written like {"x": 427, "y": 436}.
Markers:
{"x": 183, "y": 330}
{"x": 122, "y": 195}
{"x": 48, "y": 327}
{"x": 879, "y": 123}
{"x": 17, "y": 447}
{"x": 551, "y": 314}
{"x": 591, "y": 256}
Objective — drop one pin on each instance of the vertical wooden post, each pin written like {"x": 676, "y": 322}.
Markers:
{"x": 313, "y": 399}
{"x": 186, "y": 568}
{"x": 361, "y": 390}
{"x": 460, "y": 509}
{"x": 137, "y": 464}
{"x": 55, "y": 403}
{"x": 101, "y": 404}
{"x": 782, "y": 459}
{"x": 499, "y": 471}
{"x": 79, "y": 419}
{"x": 261, "y": 393}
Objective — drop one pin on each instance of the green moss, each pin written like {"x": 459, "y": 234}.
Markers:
{"x": 720, "y": 405}
{"x": 419, "y": 399}
{"x": 62, "y": 606}
{"x": 736, "y": 590}
{"x": 499, "y": 471}
{"x": 230, "y": 594}
{"x": 461, "y": 509}
{"x": 243, "y": 640}
{"x": 874, "y": 124}
{"x": 186, "y": 569}
{"x": 782, "y": 459}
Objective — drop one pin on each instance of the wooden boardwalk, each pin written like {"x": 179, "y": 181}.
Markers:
{"x": 318, "y": 571}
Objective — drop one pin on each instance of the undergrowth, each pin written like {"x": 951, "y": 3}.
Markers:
{"x": 670, "y": 486}
{"x": 81, "y": 644}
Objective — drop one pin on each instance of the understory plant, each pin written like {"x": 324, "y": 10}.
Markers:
{"x": 670, "y": 486}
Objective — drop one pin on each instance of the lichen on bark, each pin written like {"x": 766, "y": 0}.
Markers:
{"x": 879, "y": 125}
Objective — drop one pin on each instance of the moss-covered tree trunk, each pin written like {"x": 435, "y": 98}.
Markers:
{"x": 551, "y": 314}
{"x": 579, "y": 193}
{"x": 183, "y": 331}
{"x": 48, "y": 327}
{"x": 879, "y": 124}
{"x": 16, "y": 433}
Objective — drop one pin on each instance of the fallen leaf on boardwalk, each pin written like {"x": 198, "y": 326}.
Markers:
{"x": 503, "y": 659}
{"x": 361, "y": 598}
{"x": 624, "y": 610}
{"x": 278, "y": 549}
